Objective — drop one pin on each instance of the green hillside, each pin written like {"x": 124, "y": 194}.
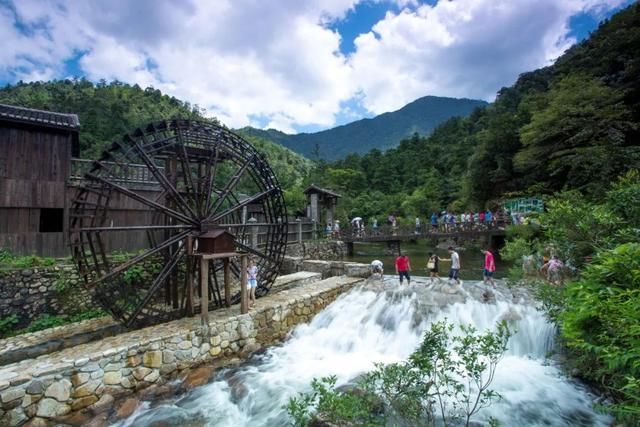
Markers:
{"x": 109, "y": 110}
{"x": 382, "y": 132}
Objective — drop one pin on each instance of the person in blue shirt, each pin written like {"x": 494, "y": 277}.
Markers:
{"x": 434, "y": 221}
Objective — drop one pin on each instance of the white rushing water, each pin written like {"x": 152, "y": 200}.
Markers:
{"x": 362, "y": 328}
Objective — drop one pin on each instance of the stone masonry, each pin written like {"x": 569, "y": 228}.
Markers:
{"x": 51, "y": 388}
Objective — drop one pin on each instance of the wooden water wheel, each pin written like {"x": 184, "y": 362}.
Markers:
{"x": 136, "y": 214}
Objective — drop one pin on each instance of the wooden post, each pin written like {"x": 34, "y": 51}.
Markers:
{"x": 204, "y": 284}
{"x": 189, "y": 276}
{"x": 299, "y": 230}
{"x": 244, "y": 301}
{"x": 227, "y": 291}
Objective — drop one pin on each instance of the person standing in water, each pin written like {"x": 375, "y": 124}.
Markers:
{"x": 403, "y": 267}
{"x": 252, "y": 282}
{"x": 489, "y": 267}
{"x": 455, "y": 265}
{"x": 432, "y": 266}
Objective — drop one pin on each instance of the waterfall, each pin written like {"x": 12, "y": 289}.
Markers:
{"x": 365, "y": 327}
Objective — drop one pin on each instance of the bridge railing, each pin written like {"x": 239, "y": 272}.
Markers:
{"x": 424, "y": 230}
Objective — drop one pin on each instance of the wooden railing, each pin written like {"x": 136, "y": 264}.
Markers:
{"x": 132, "y": 173}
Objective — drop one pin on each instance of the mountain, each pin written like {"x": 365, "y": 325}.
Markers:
{"x": 382, "y": 132}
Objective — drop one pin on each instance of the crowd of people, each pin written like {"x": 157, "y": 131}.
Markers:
{"x": 444, "y": 222}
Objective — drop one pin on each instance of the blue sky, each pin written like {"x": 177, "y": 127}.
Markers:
{"x": 294, "y": 65}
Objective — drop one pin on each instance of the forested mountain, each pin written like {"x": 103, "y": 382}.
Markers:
{"x": 109, "y": 110}
{"x": 381, "y": 132}
{"x": 572, "y": 125}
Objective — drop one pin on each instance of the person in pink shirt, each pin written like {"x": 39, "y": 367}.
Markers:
{"x": 489, "y": 267}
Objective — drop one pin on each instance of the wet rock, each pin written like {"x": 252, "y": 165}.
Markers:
{"x": 83, "y": 402}
{"x": 154, "y": 392}
{"x": 197, "y": 377}
{"x": 126, "y": 408}
{"x": 104, "y": 404}
{"x": 12, "y": 394}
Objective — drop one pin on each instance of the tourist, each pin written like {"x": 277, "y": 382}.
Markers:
{"x": 489, "y": 267}
{"x": 377, "y": 267}
{"x": 328, "y": 230}
{"x": 488, "y": 218}
{"x": 403, "y": 267}
{"x": 417, "y": 225}
{"x": 481, "y": 219}
{"x": 432, "y": 266}
{"x": 434, "y": 221}
{"x": 336, "y": 229}
{"x": 375, "y": 227}
{"x": 252, "y": 282}
{"x": 455, "y": 265}
{"x": 553, "y": 268}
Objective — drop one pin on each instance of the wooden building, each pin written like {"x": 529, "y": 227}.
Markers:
{"x": 39, "y": 175}
{"x": 36, "y": 148}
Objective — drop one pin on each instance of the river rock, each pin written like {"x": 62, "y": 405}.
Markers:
{"x": 197, "y": 377}
{"x": 104, "y": 404}
{"x": 126, "y": 408}
{"x": 50, "y": 408}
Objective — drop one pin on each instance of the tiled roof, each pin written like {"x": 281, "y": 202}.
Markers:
{"x": 315, "y": 189}
{"x": 39, "y": 117}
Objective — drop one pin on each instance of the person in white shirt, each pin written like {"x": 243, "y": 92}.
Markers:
{"x": 377, "y": 267}
{"x": 455, "y": 265}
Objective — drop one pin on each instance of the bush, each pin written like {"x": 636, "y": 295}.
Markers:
{"x": 601, "y": 324}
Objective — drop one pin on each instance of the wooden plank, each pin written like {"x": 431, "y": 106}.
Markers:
{"x": 244, "y": 300}
{"x": 204, "y": 284}
{"x": 227, "y": 285}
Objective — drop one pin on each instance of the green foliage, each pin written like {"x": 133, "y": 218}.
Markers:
{"x": 446, "y": 380}
{"x": 10, "y": 261}
{"x": 601, "y": 323}
{"x": 7, "y": 325}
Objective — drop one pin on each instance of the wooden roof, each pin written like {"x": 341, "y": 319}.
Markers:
{"x": 315, "y": 189}
{"x": 42, "y": 118}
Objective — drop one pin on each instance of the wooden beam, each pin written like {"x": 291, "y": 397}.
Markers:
{"x": 204, "y": 284}
{"x": 227, "y": 285}
{"x": 244, "y": 301}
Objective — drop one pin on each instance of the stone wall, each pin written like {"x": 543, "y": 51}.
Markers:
{"x": 30, "y": 293}
{"x": 318, "y": 249}
{"x": 87, "y": 378}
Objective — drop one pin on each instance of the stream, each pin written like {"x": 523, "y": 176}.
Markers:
{"x": 385, "y": 323}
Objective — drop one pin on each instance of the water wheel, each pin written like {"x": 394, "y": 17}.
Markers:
{"x": 138, "y": 209}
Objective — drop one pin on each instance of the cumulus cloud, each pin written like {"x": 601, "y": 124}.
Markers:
{"x": 461, "y": 48}
{"x": 281, "y": 61}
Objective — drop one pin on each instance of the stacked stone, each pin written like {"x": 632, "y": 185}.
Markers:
{"x": 53, "y": 388}
{"x": 29, "y": 293}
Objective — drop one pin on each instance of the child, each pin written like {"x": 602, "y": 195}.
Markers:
{"x": 252, "y": 282}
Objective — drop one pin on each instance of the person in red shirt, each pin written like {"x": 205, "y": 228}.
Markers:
{"x": 489, "y": 267}
{"x": 403, "y": 267}
{"x": 481, "y": 219}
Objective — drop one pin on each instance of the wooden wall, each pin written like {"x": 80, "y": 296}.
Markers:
{"x": 34, "y": 166}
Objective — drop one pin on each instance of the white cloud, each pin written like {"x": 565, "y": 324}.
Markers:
{"x": 280, "y": 61}
{"x": 461, "y": 48}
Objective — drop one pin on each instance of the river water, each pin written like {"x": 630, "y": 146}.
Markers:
{"x": 366, "y": 326}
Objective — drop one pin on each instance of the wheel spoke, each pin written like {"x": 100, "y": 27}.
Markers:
{"x": 143, "y": 200}
{"x": 245, "y": 202}
{"x": 159, "y": 280}
{"x": 162, "y": 179}
{"x": 138, "y": 258}
{"x": 230, "y": 186}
